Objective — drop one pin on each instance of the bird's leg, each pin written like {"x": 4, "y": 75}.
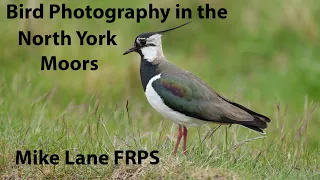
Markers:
{"x": 178, "y": 140}
{"x": 185, "y": 134}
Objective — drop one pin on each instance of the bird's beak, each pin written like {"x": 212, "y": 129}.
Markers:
{"x": 133, "y": 49}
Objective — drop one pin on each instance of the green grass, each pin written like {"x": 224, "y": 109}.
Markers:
{"x": 264, "y": 56}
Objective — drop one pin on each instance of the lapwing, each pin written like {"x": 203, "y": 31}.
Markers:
{"x": 183, "y": 97}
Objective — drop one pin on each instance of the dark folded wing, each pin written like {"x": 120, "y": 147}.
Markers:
{"x": 192, "y": 97}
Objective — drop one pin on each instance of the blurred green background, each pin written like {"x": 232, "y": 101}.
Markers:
{"x": 265, "y": 55}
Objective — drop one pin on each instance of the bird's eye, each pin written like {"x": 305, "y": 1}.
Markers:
{"x": 143, "y": 41}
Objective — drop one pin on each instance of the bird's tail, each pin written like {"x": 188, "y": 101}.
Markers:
{"x": 258, "y": 124}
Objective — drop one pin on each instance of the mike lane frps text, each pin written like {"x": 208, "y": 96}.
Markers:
{"x": 38, "y": 157}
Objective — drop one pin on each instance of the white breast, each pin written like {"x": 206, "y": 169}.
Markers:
{"x": 157, "y": 103}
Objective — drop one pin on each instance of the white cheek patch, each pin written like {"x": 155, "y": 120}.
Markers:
{"x": 149, "y": 53}
{"x": 155, "y": 39}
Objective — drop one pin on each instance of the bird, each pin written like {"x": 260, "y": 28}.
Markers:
{"x": 183, "y": 97}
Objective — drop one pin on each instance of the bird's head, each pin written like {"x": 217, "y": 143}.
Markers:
{"x": 149, "y": 45}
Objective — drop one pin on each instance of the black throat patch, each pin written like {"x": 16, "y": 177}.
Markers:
{"x": 147, "y": 71}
